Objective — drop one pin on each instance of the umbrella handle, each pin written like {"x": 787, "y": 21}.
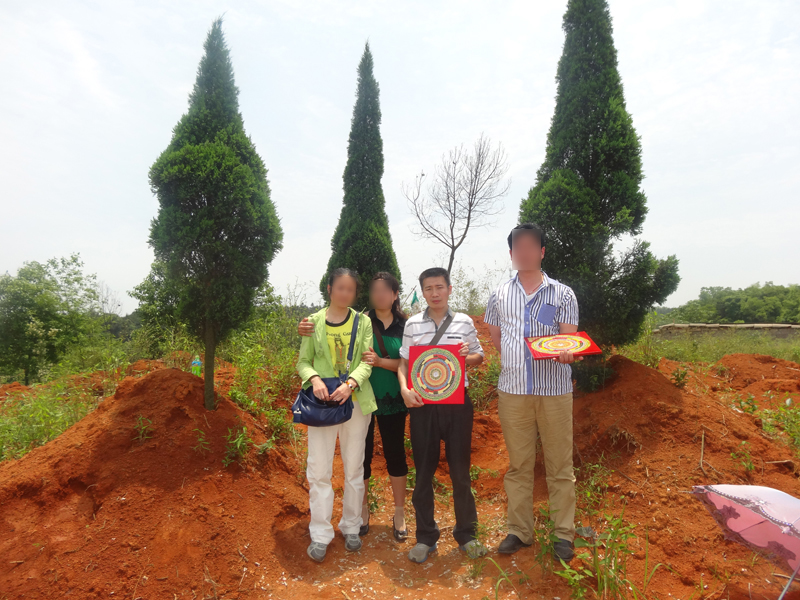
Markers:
{"x": 791, "y": 579}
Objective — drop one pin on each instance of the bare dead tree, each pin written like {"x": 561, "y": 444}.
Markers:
{"x": 464, "y": 193}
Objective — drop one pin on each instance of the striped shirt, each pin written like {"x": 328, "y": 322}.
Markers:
{"x": 518, "y": 318}
{"x": 421, "y": 328}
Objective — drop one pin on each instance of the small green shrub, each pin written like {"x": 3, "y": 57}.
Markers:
{"x": 543, "y": 539}
{"x": 475, "y": 472}
{"x": 743, "y": 456}
{"x": 644, "y": 350}
{"x": 747, "y": 405}
{"x": 591, "y": 486}
{"x": 603, "y": 562}
{"x": 680, "y": 377}
{"x": 483, "y": 382}
{"x": 143, "y": 429}
{"x": 785, "y": 419}
{"x": 237, "y": 446}
{"x": 591, "y": 373}
{"x": 202, "y": 443}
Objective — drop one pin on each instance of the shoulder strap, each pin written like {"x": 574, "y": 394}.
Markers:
{"x": 442, "y": 328}
{"x": 376, "y": 330}
{"x": 353, "y": 335}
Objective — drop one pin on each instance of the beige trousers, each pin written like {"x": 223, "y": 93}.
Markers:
{"x": 522, "y": 417}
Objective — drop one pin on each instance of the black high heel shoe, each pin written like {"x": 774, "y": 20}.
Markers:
{"x": 400, "y": 536}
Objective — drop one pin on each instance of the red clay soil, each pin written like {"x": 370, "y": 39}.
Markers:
{"x": 9, "y": 389}
{"x": 95, "y": 514}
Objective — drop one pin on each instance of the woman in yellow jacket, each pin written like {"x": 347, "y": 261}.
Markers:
{"x": 324, "y": 354}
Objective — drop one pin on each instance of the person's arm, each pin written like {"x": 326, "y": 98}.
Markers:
{"x": 390, "y": 364}
{"x": 306, "y": 369}
{"x": 494, "y": 333}
{"x": 471, "y": 349}
{"x": 410, "y": 397}
{"x": 492, "y": 319}
{"x": 568, "y": 323}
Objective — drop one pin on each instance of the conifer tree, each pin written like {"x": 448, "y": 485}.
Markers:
{"x": 588, "y": 190}
{"x": 362, "y": 241}
{"x": 217, "y": 229}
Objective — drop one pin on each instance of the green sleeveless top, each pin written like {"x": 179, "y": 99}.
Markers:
{"x": 384, "y": 383}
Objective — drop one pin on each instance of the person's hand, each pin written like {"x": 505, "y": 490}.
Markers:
{"x": 411, "y": 398}
{"x": 371, "y": 357}
{"x": 464, "y": 350}
{"x": 305, "y": 328}
{"x": 341, "y": 393}
{"x": 320, "y": 389}
{"x": 566, "y": 357}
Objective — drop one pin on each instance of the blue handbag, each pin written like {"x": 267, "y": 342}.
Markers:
{"x": 310, "y": 410}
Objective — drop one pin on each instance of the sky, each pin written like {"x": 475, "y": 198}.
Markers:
{"x": 92, "y": 90}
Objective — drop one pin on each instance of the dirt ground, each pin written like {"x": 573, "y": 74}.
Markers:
{"x": 98, "y": 514}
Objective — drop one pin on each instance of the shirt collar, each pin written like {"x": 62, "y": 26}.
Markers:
{"x": 427, "y": 317}
{"x": 374, "y": 317}
{"x": 545, "y": 282}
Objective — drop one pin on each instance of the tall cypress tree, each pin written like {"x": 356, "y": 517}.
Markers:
{"x": 362, "y": 240}
{"x": 587, "y": 193}
{"x": 217, "y": 228}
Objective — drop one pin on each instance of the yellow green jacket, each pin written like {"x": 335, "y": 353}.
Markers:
{"x": 315, "y": 358}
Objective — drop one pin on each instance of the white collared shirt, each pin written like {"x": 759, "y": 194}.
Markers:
{"x": 520, "y": 317}
{"x": 421, "y": 328}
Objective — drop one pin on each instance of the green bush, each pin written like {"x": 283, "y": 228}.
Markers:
{"x": 591, "y": 373}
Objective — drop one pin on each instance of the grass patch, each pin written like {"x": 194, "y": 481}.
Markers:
{"x": 32, "y": 419}
{"x": 709, "y": 347}
{"x": 591, "y": 486}
{"x": 483, "y": 382}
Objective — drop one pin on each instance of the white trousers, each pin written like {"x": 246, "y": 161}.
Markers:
{"x": 352, "y": 436}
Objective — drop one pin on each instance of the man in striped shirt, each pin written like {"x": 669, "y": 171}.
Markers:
{"x": 535, "y": 396}
{"x": 430, "y": 424}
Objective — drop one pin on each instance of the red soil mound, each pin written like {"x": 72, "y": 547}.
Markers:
{"x": 12, "y": 388}
{"x": 94, "y": 512}
{"x": 652, "y": 435}
{"x": 742, "y": 370}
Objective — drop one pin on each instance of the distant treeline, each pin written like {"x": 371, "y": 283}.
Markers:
{"x": 754, "y": 304}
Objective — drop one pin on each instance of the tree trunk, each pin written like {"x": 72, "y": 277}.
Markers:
{"x": 208, "y": 375}
{"x": 452, "y": 257}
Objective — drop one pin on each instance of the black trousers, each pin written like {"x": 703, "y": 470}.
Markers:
{"x": 430, "y": 425}
{"x": 393, "y": 436}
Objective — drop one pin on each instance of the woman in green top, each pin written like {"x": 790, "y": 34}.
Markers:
{"x": 388, "y": 323}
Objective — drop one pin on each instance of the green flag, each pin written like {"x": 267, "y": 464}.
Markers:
{"x": 415, "y": 302}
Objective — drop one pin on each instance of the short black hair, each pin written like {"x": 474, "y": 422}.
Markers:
{"x": 434, "y": 272}
{"x": 533, "y": 228}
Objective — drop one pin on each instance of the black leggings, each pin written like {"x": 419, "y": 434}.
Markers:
{"x": 393, "y": 434}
